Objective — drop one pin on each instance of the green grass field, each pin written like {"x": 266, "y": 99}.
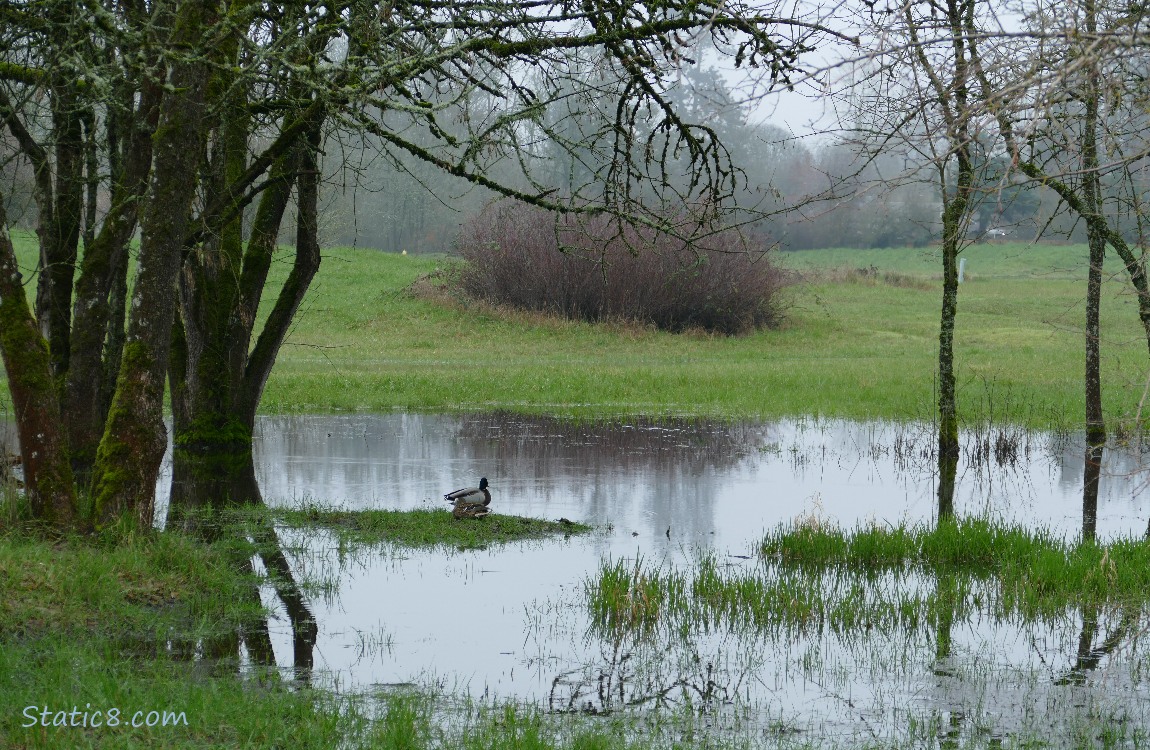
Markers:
{"x": 851, "y": 347}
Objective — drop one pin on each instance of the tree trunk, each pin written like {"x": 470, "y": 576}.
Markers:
{"x": 304, "y": 269}
{"x": 43, "y": 444}
{"x": 202, "y": 383}
{"x": 135, "y": 438}
{"x": 58, "y": 257}
{"x": 219, "y": 380}
{"x": 1092, "y": 202}
{"x": 1095, "y": 422}
{"x": 947, "y": 401}
{"x": 954, "y": 216}
{"x": 96, "y": 320}
{"x": 218, "y": 311}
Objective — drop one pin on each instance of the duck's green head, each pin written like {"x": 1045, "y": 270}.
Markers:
{"x": 483, "y": 483}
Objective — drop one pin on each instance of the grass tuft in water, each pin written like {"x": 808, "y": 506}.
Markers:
{"x": 900, "y": 578}
{"x": 1031, "y": 564}
{"x": 425, "y": 528}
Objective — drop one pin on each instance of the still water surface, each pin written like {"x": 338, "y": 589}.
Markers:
{"x": 509, "y": 622}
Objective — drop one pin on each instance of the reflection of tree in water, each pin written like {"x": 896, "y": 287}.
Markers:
{"x": 1125, "y": 466}
{"x": 1064, "y": 693}
{"x": 698, "y": 659}
{"x": 676, "y": 466}
{"x": 702, "y": 672}
{"x": 1089, "y": 656}
{"x": 204, "y": 489}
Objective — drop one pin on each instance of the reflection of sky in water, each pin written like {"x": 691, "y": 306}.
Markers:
{"x": 508, "y": 621}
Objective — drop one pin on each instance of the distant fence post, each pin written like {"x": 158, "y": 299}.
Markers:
{"x": 961, "y": 268}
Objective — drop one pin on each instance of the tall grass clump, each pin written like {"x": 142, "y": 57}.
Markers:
{"x": 1033, "y": 569}
{"x": 593, "y": 269}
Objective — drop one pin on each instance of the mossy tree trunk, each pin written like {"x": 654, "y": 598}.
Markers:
{"x": 1092, "y": 202}
{"x": 953, "y": 224}
{"x": 209, "y": 280}
{"x": 954, "y": 217}
{"x": 58, "y": 254}
{"x": 135, "y": 438}
{"x": 58, "y": 186}
{"x": 47, "y": 473}
{"x": 218, "y": 375}
{"x": 98, "y": 313}
{"x": 949, "y": 83}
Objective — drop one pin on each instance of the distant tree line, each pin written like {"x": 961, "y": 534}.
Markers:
{"x": 803, "y": 193}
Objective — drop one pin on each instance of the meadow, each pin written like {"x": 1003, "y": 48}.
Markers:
{"x": 854, "y": 345}
{"x": 155, "y": 622}
{"x": 381, "y": 331}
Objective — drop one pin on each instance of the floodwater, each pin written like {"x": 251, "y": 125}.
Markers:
{"x": 510, "y": 622}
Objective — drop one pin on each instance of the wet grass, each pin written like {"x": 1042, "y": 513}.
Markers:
{"x": 68, "y": 605}
{"x": 425, "y": 528}
{"x": 87, "y": 584}
{"x": 128, "y": 623}
{"x": 143, "y": 628}
{"x": 128, "y": 626}
{"x": 888, "y": 579}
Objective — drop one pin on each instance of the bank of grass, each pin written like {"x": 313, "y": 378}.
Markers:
{"x": 851, "y": 347}
{"x": 900, "y": 578}
{"x": 95, "y": 624}
{"x": 425, "y": 527}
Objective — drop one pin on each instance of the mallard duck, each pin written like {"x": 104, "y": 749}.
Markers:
{"x": 470, "y": 502}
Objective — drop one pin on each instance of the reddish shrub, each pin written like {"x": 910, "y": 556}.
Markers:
{"x": 602, "y": 272}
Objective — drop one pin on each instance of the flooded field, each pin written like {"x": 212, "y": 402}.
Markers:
{"x": 684, "y": 500}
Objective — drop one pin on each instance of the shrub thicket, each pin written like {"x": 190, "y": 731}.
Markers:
{"x": 591, "y": 269}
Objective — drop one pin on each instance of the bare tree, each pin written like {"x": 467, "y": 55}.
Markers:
{"x": 917, "y": 100}
{"x": 201, "y": 122}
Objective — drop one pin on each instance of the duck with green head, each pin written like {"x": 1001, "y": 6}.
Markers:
{"x": 470, "y": 502}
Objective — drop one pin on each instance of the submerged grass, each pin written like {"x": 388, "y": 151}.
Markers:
{"x": 425, "y": 528}
{"x": 879, "y": 578}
